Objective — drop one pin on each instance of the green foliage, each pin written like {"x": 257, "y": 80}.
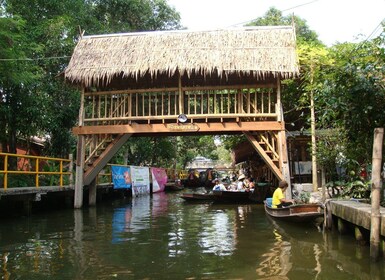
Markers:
{"x": 304, "y": 197}
{"x": 352, "y": 97}
{"x": 274, "y": 17}
{"x": 20, "y": 180}
{"x": 168, "y": 152}
{"x": 115, "y": 16}
{"x": 350, "y": 189}
{"x": 38, "y": 37}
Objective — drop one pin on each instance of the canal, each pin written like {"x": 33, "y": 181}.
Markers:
{"x": 163, "y": 237}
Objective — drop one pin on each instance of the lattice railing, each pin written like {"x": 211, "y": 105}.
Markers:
{"x": 108, "y": 108}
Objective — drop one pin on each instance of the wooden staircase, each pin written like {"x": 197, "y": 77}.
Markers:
{"x": 99, "y": 149}
{"x": 267, "y": 145}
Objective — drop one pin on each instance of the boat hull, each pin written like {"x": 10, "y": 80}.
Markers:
{"x": 219, "y": 196}
{"x": 296, "y": 213}
{"x": 197, "y": 197}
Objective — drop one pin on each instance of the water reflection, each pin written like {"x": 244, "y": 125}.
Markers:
{"x": 276, "y": 262}
{"x": 162, "y": 237}
{"x": 218, "y": 234}
{"x": 130, "y": 219}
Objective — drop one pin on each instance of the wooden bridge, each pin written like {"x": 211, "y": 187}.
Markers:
{"x": 181, "y": 83}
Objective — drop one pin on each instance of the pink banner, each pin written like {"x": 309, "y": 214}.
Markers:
{"x": 159, "y": 179}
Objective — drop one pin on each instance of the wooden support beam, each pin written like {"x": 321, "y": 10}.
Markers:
{"x": 263, "y": 154}
{"x": 135, "y": 128}
{"x": 104, "y": 158}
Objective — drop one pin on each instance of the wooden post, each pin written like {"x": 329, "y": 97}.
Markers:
{"x": 180, "y": 92}
{"x": 282, "y": 143}
{"x": 92, "y": 193}
{"x": 71, "y": 169}
{"x": 342, "y": 228}
{"x": 323, "y": 184}
{"x": 375, "y": 223}
{"x": 80, "y": 159}
{"x": 79, "y": 178}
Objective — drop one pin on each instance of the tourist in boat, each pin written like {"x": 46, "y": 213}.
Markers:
{"x": 279, "y": 199}
{"x": 219, "y": 186}
{"x": 241, "y": 184}
{"x": 250, "y": 185}
{"x": 233, "y": 185}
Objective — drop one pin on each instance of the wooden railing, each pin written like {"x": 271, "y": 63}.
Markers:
{"x": 111, "y": 107}
{"x": 53, "y": 171}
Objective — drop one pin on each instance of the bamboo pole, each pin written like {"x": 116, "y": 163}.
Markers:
{"x": 375, "y": 223}
{"x": 313, "y": 136}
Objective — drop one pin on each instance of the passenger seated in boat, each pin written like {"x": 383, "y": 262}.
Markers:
{"x": 250, "y": 185}
{"x": 241, "y": 184}
{"x": 233, "y": 185}
{"x": 279, "y": 199}
{"x": 219, "y": 186}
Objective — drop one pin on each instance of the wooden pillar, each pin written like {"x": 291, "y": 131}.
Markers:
{"x": 359, "y": 235}
{"x": 313, "y": 139}
{"x": 71, "y": 169}
{"x": 80, "y": 159}
{"x": 375, "y": 224}
{"x": 282, "y": 143}
{"x": 79, "y": 177}
{"x": 92, "y": 193}
{"x": 180, "y": 91}
{"x": 342, "y": 228}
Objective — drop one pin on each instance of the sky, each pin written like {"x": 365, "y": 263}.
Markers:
{"x": 333, "y": 20}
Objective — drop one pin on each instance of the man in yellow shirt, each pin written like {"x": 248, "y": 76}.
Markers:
{"x": 279, "y": 199}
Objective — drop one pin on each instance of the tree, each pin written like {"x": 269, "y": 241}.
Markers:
{"x": 46, "y": 34}
{"x": 274, "y": 17}
{"x": 20, "y": 98}
{"x": 352, "y": 98}
{"x": 115, "y": 16}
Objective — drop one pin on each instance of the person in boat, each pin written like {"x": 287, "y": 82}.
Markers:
{"x": 219, "y": 186}
{"x": 279, "y": 199}
{"x": 233, "y": 185}
{"x": 241, "y": 183}
{"x": 250, "y": 185}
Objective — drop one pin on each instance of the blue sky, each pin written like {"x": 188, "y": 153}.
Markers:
{"x": 333, "y": 20}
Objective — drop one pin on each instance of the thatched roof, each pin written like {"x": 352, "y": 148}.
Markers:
{"x": 251, "y": 53}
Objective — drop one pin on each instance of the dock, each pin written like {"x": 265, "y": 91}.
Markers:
{"x": 355, "y": 212}
{"x": 22, "y": 200}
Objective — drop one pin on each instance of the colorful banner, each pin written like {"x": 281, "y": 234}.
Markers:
{"x": 159, "y": 179}
{"x": 121, "y": 177}
{"x": 140, "y": 177}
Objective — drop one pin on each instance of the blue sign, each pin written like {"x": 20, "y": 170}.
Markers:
{"x": 121, "y": 177}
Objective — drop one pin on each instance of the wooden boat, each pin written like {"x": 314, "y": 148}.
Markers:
{"x": 295, "y": 213}
{"x": 197, "y": 196}
{"x": 219, "y": 196}
{"x": 173, "y": 186}
{"x": 232, "y": 196}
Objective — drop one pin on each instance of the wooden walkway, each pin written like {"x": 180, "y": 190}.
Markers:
{"x": 355, "y": 212}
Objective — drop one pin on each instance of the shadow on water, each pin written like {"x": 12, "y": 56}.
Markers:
{"x": 162, "y": 237}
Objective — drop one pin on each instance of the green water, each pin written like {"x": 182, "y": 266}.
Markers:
{"x": 163, "y": 237}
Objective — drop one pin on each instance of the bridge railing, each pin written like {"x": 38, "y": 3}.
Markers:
{"x": 27, "y": 170}
{"x": 159, "y": 105}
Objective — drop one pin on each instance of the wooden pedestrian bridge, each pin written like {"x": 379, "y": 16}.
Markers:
{"x": 168, "y": 83}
